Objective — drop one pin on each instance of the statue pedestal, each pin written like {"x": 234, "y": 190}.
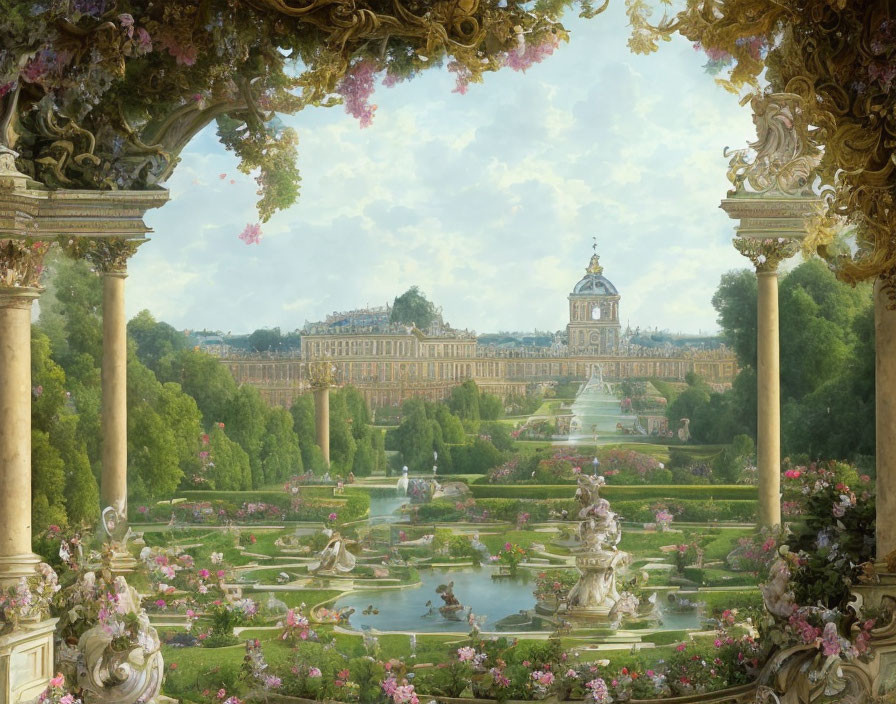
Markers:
{"x": 123, "y": 563}
{"x": 594, "y": 595}
{"x": 26, "y": 661}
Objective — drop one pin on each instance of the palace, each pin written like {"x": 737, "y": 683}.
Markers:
{"x": 389, "y": 362}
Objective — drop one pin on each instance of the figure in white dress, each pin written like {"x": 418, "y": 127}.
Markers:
{"x": 402, "y": 486}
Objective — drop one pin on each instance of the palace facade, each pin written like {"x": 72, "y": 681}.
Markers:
{"x": 390, "y": 362}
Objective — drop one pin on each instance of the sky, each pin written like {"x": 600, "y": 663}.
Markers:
{"x": 487, "y": 201}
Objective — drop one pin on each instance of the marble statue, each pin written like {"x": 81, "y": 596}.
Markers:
{"x": 452, "y": 608}
{"x": 334, "y": 558}
{"x": 401, "y": 487}
{"x": 599, "y": 559}
{"x": 684, "y": 432}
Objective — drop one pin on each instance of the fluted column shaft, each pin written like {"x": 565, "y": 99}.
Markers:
{"x": 322, "y": 420}
{"x": 114, "y": 486}
{"x": 16, "y": 558}
{"x": 766, "y": 254}
{"x": 768, "y": 373}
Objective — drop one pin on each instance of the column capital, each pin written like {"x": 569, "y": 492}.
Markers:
{"x": 21, "y": 264}
{"x": 107, "y": 255}
{"x": 766, "y": 254}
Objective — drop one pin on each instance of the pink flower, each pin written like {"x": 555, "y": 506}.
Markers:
{"x": 221, "y": 574}
{"x": 144, "y": 41}
{"x": 58, "y": 681}
{"x": 160, "y": 603}
{"x": 313, "y": 672}
{"x": 830, "y": 640}
{"x": 204, "y": 573}
{"x": 681, "y": 647}
{"x": 356, "y": 87}
{"x": 332, "y": 517}
{"x": 250, "y": 235}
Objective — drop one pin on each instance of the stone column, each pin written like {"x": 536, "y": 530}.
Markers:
{"x": 16, "y": 558}
{"x": 772, "y": 197}
{"x": 109, "y": 257}
{"x": 321, "y": 376}
{"x": 26, "y": 653}
{"x": 21, "y": 262}
{"x": 114, "y": 483}
{"x": 766, "y": 254}
{"x": 885, "y": 412}
{"x": 768, "y": 377}
{"x": 322, "y": 420}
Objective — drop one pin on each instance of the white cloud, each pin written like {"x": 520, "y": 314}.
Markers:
{"x": 487, "y": 201}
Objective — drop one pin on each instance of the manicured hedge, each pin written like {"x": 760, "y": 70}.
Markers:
{"x": 354, "y": 504}
{"x": 688, "y": 510}
{"x": 727, "y": 492}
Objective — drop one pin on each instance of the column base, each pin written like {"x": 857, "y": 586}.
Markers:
{"x": 122, "y": 563}
{"x": 26, "y": 661}
{"x": 14, "y": 567}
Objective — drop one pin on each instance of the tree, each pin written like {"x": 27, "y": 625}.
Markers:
{"x": 229, "y": 468}
{"x": 735, "y": 302}
{"x": 490, "y": 407}
{"x": 414, "y": 436}
{"x": 464, "y": 401}
{"x": 477, "y": 457}
{"x": 280, "y": 454}
{"x": 302, "y": 412}
{"x": 413, "y": 308}
{"x": 155, "y": 340}
{"x": 47, "y": 485}
{"x": 82, "y": 493}
{"x": 265, "y": 340}
{"x": 342, "y": 441}
{"x": 499, "y": 435}
{"x": 827, "y": 365}
{"x": 246, "y": 418}
{"x": 204, "y": 378}
{"x": 452, "y": 429}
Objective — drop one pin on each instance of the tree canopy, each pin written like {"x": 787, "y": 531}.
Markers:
{"x": 414, "y": 308}
{"x": 96, "y": 94}
{"x": 827, "y": 366}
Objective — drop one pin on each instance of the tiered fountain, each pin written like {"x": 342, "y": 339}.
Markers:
{"x": 598, "y": 560}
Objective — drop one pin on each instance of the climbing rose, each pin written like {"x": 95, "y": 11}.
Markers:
{"x": 251, "y": 234}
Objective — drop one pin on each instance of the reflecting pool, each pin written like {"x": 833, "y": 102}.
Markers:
{"x": 404, "y": 609}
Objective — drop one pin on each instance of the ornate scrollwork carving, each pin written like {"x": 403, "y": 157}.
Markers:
{"x": 766, "y": 254}
{"x": 107, "y": 255}
{"x": 322, "y": 374}
{"x": 22, "y": 262}
{"x": 124, "y": 666}
{"x": 786, "y": 157}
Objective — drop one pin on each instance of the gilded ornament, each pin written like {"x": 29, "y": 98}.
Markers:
{"x": 321, "y": 374}
{"x": 784, "y": 156}
{"x": 766, "y": 254}
{"x": 22, "y": 262}
{"x": 107, "y": 255}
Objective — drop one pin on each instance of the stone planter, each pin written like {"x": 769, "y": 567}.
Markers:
{"x": 743, "y": 694}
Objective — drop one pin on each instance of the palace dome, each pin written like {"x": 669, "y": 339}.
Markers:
{"x": 594, "y": 283}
